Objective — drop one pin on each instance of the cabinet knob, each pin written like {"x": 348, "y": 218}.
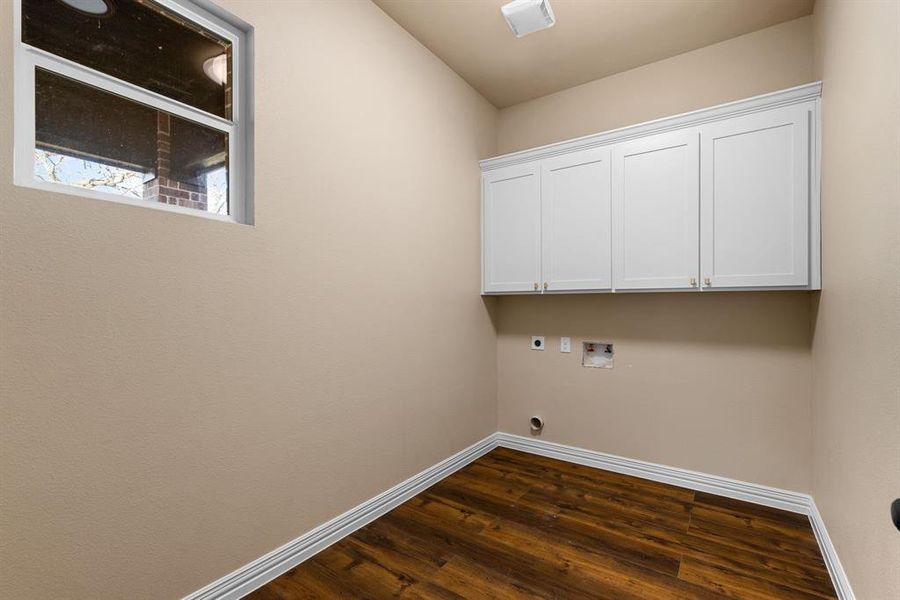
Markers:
{"x": 545, "y": 285}
{"x": 535, "y": 285}
{"x": 693, "y": 281}
{"x": 706, "y": 281}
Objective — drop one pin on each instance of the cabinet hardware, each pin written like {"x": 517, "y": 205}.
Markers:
{"x": 707, "y": 282}
{"x": 545, "y": 285}
{"x": 693, "y": 282}
{"x": 535, "y": 285}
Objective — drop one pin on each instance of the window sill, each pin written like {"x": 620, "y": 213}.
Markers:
{"x": 95, "y": 195}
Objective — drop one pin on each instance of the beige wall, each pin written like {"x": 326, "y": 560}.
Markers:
{"x": 855, "y": 351}
{"x": 718, "y": 383}
{"x": 767, "y": 60}
{"x": 180, "y": 395}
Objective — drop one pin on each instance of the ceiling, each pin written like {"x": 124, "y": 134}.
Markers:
{"x": 591, "y": 38}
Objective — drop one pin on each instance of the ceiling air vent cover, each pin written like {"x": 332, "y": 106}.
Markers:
{"x": 528, "y": 16}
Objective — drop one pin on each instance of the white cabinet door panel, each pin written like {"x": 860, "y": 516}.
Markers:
{"x": 576, "y": 221}
{"x": 512, "y": 228}
{"x": 655, "y": 186}
{"x": 755, "y": 200}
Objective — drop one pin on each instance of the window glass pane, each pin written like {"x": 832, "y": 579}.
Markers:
{"x": 139, "y": 42}
{"x": 89, "y": 138}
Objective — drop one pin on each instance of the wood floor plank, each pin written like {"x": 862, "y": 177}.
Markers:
{"x": 757, "y": 526}
{"x": 623, "y": 579}
{"x": 490, "y": 506}
{"x": 608, "y": 505}
{"x": 407, "y": 568}
{"x": 311, "y": 587}
{"x": 628, "y": 546}
{"x": 812, "y": 579}
{"x": 427, "y": 590}
{"x": 461, "y": 514}
{"x": 515, "y": 525}
{"x": 380, "y": 534}
{"x": 553, "y": 480}
{"x": 502, "y": 487}
{"x": 309, "y": 581}
{"x": 360, "y": 575}
{"x": 580, "y": 473}
{"x": 572, "y": 474}
{"x": 473, "y": 581}
{"x": 409, "y": 554}
{"x": 748, "y": 508}
{"x": 739, "y": 586}
{"x": 538, "y": 577}
{"x": 634, "y": 542}
{"x": 787, "y": 549}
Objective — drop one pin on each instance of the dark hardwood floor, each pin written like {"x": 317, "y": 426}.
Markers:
{"x": 514, "y": 525}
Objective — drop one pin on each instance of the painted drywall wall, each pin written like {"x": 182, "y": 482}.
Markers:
{"x": 856, "y": 341}
{"x": 716, "y": 382}
{"x": 181, "y": 395}
{"x": 770, "y": 59}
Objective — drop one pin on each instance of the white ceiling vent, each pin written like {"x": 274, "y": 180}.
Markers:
{"x": 528, "y": 16}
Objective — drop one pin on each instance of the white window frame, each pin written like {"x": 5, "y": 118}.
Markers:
{"x": 239, "y": 128}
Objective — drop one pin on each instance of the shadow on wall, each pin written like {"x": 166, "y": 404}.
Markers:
{"x": 492, "y": 306}
{"x": 814, "y": 299}
{"x": 774, "y": 319}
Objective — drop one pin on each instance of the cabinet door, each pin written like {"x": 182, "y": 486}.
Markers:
{"x": 512, "y": 229}
{"x": 656, "y": 212}
{"x": 575, "y": 206}
{"x": 755, "y": 200}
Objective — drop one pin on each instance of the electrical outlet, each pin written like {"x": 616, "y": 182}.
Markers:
{"x": 537, "y": 342}
{"x": 565, "y": 344}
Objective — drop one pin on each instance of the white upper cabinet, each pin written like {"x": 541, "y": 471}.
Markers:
{"x": 575, "y": 205}
{"x": 656, "y": 211}
{"x": 755, "y": 199}
{"x": 512, "y": 229}
{"x": 724, "y": 198}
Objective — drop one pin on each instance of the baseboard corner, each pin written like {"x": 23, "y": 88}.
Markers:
{"x": 829, "y": 554}
{"x": 244, "y": 580}
{"x": 266, "y": 568}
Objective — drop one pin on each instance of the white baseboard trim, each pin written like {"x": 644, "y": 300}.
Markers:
{"x": 703, "y": 482}
{"x": 264, "y": 569}
{"x": 829, "y": 554}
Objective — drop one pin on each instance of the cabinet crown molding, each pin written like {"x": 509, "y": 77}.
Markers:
{"x": 795, "y": 95}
